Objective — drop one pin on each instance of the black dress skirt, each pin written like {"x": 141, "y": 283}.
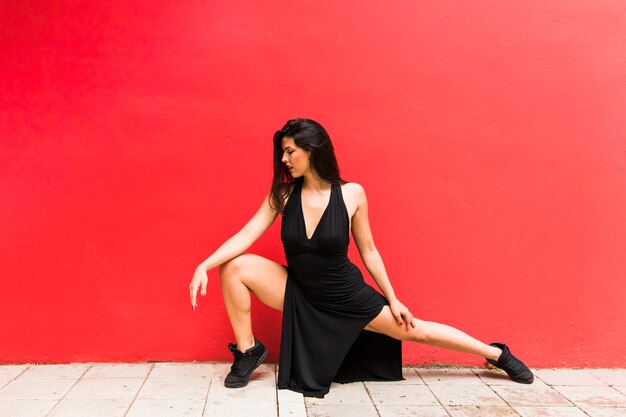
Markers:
{"x": 327, "y": 305}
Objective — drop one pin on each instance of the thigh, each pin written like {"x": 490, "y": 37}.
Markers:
{"x": 265, "y": 278}
{"x": 387, "y": 324}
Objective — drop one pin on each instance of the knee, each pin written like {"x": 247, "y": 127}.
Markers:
{"x": 422, "y": 332}
{"x": 233, "y": 267}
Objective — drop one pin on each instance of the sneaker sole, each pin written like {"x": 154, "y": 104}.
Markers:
{"x": 523, "y": 381}
{"x": 244, "y": 383}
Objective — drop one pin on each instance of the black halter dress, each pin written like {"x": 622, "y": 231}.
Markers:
{"x": 327, "y": 305}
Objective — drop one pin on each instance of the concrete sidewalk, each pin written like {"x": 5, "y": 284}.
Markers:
{"x": 197, "y": 389}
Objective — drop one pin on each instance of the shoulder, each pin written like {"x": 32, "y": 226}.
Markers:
{"x": 353, "y": 187}
{"x": 355, "y": 192}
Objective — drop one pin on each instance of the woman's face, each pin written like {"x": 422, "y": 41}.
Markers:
{"x": 296, "y": 159}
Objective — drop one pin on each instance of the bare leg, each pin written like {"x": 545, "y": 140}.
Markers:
{"x": 242, "y": 274}
{"x": 432, "y": 333}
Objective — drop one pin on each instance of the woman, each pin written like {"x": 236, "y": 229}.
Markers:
{"x": 335, "y": 327}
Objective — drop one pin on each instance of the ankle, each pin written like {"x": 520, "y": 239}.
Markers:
{"x": 494, "y": 353}
{"x": 246, "y": 344}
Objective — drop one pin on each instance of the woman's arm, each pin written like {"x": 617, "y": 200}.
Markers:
{"x": 244, "y": 238}
{"x": 371, "y": 257}
{"x": 365, "y": 243}
{"x": 234, "y": 246}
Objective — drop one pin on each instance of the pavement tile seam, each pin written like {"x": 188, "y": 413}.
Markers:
{"x": 138, "y": 391}
{"x": 492, "y": 388}
{"x": 563, "y": 396}
{"x": 68, "y": 391}
{"x": 418, "y": 375}
{"x": 556, "y": 392}
{"x": 276, "y": 393}
{"x": 545, "y": 376}
{"x": 486, "y": 410}
{"x": 94, "y": 366}
{"x": 206, "y": 398}
{"x": 85, "y": 372}
{"x": 64, "y": 395}
{"x": 56, "y": 404}
{"x": 7, "y": 380}
{"x": 34, "y": 366}
{"x": 571, "y": 391}
{"x": 432, "y": 393}
{"x": 496, "y": 392}
{"x": 491, "y": 369}
{"x": 616, "y": 388}
{"x": 21, "y": 373}
{"x": 369, "y": 394}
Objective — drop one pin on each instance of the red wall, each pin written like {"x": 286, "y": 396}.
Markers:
{"x": 136, "y": 138}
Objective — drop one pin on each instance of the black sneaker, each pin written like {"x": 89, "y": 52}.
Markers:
{"x": 516, "y": 370}
{"x": 244, "y": 364}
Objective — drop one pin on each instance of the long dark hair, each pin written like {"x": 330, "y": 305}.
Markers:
{"x": 311, "y": 136}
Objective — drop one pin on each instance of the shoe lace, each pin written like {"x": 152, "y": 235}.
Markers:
{"x": 242, "y": 363}
{"x": 514, "y": 365}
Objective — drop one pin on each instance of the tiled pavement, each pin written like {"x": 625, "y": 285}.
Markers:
{"x": 197, "y": 389}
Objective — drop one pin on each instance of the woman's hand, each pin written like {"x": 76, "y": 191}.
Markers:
{"x": 199, "y": 280}
{"x": 401, "y": 313}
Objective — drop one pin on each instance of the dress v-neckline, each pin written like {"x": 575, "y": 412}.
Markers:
{"x": 332, "y": 189}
